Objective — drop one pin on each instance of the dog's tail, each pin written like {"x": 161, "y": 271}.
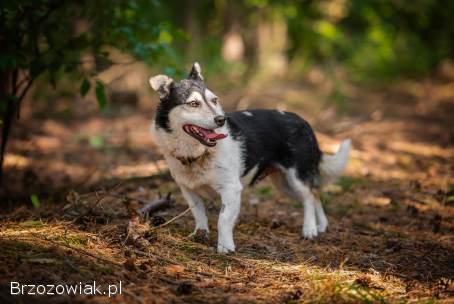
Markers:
{"x": 331, "y": 166}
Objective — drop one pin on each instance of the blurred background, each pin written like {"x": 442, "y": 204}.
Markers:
{"x": 76, "y": 104}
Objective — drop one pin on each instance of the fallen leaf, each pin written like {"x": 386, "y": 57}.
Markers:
{"x": 174, "y": 269}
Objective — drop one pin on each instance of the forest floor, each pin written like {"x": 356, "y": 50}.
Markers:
{"x": 74, "y": 177}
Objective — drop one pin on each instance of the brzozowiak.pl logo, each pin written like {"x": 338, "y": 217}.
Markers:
{"x": 80, "y": 288}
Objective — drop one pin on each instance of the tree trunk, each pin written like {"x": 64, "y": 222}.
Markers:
{"x": 8, "y": 84}
{"x": 272, "y": 43}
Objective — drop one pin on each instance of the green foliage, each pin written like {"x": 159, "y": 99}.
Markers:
{"x": 100, "y": 94}
{"x": 44, "y": 37}
{"x": 84, "y": 87}
{"x": 96, "y": 142}
{"x": 35, "y": 201}
{"x": 374, "y": 39}
{"x": 348, "y": 182}
{"x": 264, "y": 192}
{"x": 49, "y": 39}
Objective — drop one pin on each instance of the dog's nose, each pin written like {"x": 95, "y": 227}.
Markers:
{"x": 219, "y": 120}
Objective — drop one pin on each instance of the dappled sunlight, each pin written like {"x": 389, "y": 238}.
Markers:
{"x": 17, "y": 161}
{"x": 422, "y": 149}
{"x": 126, "y": 171}
{"x": 390, "y": 230}
{"x": 86, "y": 195}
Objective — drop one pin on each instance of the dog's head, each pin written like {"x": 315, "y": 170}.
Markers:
{"x": 190, "y": 106}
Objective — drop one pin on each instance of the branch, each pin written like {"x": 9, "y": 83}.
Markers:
{"x": 157, "y": 204}
{"x": 171, "y": 220}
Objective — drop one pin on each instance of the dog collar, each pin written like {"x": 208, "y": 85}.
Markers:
{"x": 189, "y": 160}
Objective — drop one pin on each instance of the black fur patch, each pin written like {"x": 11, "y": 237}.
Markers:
{"x": 272, "y": 138}
{"x": 179, "y": 92}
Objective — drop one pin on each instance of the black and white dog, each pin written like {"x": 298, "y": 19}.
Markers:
{"x": 211, "y": 152}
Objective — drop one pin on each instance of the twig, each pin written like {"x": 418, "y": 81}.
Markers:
{"x": 157, "y": 204}
{"x": 171, "y": 220}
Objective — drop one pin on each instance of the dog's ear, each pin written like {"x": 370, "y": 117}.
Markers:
{"x": 161, "y": 84}
{"x": 196, "y": 72}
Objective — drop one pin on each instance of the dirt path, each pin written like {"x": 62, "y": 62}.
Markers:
{"x": 390, "y": 237}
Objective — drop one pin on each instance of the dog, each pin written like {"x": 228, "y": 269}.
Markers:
{"x": 210, "y": 152}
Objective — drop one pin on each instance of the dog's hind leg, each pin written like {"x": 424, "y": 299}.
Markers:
{"x": 304, "y": 192}
{"x": 281, "y": 183}
{"x": 322, "y": 221}
{"x": 279, "y": 180}
{"x": 198, "y": 210}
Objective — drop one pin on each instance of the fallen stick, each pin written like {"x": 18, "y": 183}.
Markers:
{"x": 157, "y": 204}
{"x": 171, "y": 220}
{"x": 160, "y": 203}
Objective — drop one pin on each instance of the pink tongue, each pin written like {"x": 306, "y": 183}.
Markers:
{"x": 215, "y": 136}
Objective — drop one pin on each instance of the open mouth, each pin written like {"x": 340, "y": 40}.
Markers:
{"x": 206, "y": 137}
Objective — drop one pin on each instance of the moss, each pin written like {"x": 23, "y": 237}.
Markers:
{"x": 348, "y": 182}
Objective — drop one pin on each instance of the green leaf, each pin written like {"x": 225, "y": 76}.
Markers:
{"x": 35, "y": 201}
{"x": 100, "y": 94}
{"x": 450, "y": 198}
{"x": 84, "y": 87}
{"x": 165, "y": 37}
{"x": 96, "y": 142}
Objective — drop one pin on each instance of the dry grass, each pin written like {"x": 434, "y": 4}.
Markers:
{"x": 390, "y": 238}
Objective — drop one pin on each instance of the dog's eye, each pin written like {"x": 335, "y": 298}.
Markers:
{"x": 194, "y": 103}
{"x": 215, "y": 100}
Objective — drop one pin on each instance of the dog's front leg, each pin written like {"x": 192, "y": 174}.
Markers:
{"x": 231, "y": 204}
{"x": 197, "y": 209}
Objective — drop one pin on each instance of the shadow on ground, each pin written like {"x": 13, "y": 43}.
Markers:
{"x": 391, "y": 218}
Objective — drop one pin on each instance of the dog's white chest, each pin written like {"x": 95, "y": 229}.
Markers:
{"x": 220, "y": 169}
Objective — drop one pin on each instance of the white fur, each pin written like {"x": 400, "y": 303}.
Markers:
{"x": 305, "y": 195}
{"x": 221, "y": 173}
{"x": 197, "y": 209}
{"x": 220, "y": 170}
{"x": 287, "y": 182}
{"x": 195, "y": 96}
{"x": 322, "y": 221}
{"x": 161, "y": 84}
{"x": 247, "y": 179}
{"x": 209, "y": 95}
{"x": 198, "y": 70}
{"x": 332, "y": 166}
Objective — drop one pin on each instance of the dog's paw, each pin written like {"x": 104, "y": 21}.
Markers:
{"x": 321, "y": 227}
{"x": 309, "y": 231}
{"x": 223, "y": 248}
